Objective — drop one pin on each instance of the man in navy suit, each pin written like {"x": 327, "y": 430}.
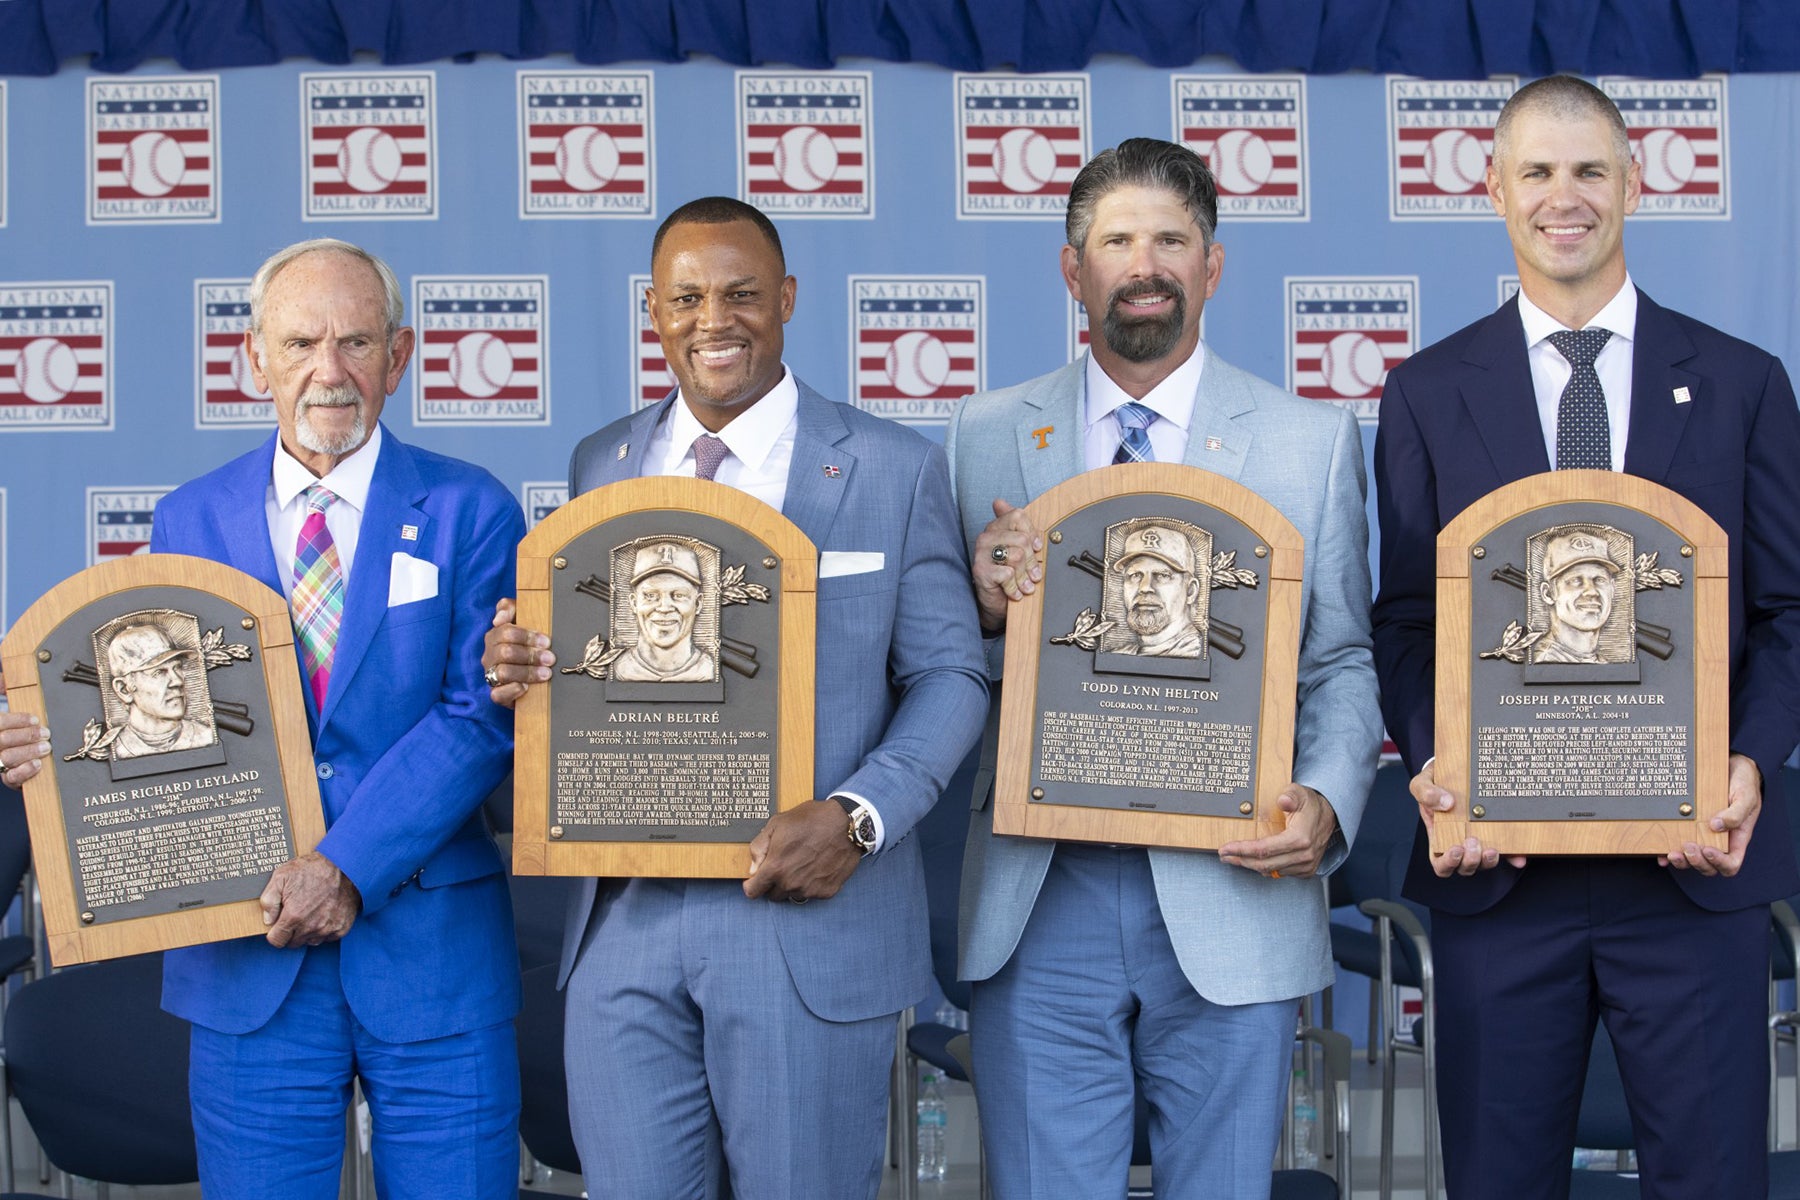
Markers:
{"x": 1671, "y": 952}
{"x": 726, "y": 1038}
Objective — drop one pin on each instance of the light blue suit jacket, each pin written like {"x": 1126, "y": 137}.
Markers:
{"x": 1239, "y": 937}
{"x": 900, "y": 687}
{"x": 406, "y": 748}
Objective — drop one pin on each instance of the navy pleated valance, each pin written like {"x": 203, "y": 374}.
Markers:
{"x": 1442, "y": 39}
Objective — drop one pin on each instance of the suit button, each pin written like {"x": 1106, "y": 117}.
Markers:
{"x": 326, "y": 770}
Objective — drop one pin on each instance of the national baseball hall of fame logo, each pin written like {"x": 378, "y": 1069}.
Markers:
{"x": 1678, "y": 136}
{"x": 225, "y": 391}
{"x": 370, "y": 145}
{"x": 118, "y": 521}
{"x": 1440, "y": 135}
{"x": 586, "y": 144}
{"x": 56, "y": 355}
{"x": 651, "y": 378}
{"x": 483, "y": 350}
{"x": 153, "y": 150}
{"x": 917, "y": 344}
{"x": 805, "y": 143}
{"x": 1251, "y": 130}
{"x": 1346, "y": 333}
{"x": 1020, "y": 140}
{"x": 541, "y": 499}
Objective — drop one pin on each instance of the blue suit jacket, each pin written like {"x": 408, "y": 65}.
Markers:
{"x": 899, "y": 686}
{"x": 406, "y": 748}
{"x": 1460, "y": 419}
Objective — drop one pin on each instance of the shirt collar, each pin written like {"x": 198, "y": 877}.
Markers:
{"x": 1172, "y": 399}
{"x": 1618, "y": 316}
{"x": 349, "y": 481}
{"x": 752, "y": 434}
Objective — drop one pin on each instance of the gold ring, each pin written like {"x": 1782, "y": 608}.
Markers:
{"x": 1274, "y": 874}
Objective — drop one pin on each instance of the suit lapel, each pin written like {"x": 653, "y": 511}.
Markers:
{"x": 813, "y": 494}
{"x": 626, "y": 459}
{"x": 1657, "y": 418}
{"x": 1058, "y": 421}
{"x": 1216, "y": 442}
{"x": 243, "y": 516}
{"x": 1500, "y": 397}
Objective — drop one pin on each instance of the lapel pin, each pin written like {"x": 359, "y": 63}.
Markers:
{"x": 409, "y": 533}
{"x": 624, "y": 448}
{"x": 1682, "y": 395}
{"x": 1213, "y": 443}
{"x": 832, "y": 472}
{"x": 1042, "y": 436}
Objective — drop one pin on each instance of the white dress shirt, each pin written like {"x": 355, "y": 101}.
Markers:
{"x": 349, "y": 481}
{"x": 1550, "y": 371}
{"x": 1172, "y": 401}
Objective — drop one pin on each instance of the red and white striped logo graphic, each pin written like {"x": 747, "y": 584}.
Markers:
{"x": 1078, "y": 329}
{"x": 805, "y": 146}
{"x": 651, "y": 378}
{"x": 1251, "y": 130}
{"x": 483, "y": 345}
{"x": 1678, "y": 136}
{"x": 56, "y": 355}
{"x": 917, "y": 343}
{"x": 153, "y": 150}
{"x": 226, "y": 391}
{"x": 1020, "y": 142}
{"x": 586, "y": 144}
{"x": 371, "y": 152}
{"x": 1440, "y": 136}
{"x": 119, "y": 521}
{"x": 1345, "y": 334}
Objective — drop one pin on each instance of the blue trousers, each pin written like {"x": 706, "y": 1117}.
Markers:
{"x": 269, "y": 1106}
{"x": 1093, "y": 1005}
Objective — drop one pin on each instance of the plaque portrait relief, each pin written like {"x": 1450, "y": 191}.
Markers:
{"x": 146, "y": 681}
{"x": 673, "y": 583}
{"x": 1573, "y": 597}
{"x": 1157, "y": 588}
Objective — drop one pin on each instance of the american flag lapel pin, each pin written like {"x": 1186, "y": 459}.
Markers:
{"x": 831, "y": 472}
{"x": 1215, "y": 443}
{"x": 409, "y": 533}
{"x": 1682, "y": 395}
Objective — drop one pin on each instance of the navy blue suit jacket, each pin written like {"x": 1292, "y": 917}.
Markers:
{"x": 1459, "y": 419}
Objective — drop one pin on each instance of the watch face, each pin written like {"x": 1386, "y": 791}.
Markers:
{"x": 863, "y": 832}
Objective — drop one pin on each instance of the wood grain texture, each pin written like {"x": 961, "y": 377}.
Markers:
{"x": 535, "y": 852}
{"x": 70, "y": 941}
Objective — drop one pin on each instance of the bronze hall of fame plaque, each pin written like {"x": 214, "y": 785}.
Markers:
{"x": 1149, "y": 694}
{"x": 1582, "y": 699}
{"x": 182, "y": 774}
{"x": 680, "y": 716}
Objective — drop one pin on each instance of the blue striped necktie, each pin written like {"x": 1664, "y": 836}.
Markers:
{"x": 1134, "y": 435}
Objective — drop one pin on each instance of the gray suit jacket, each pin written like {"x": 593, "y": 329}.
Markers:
{"x": 1240, "y": 938}
{"x": 899, "y": 685}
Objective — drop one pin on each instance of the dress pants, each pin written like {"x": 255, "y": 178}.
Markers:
{"x": 693, "y": 1061}
{"x": 269, "y": 1105}
{"x": 1093, "y": 1005}
{"x": 1683, "y": 992}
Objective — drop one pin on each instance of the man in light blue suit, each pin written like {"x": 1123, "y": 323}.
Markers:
{"x": 1100, "y": 970}
{"x": 390, "y": 953}
{"x": 725, "y": 1036}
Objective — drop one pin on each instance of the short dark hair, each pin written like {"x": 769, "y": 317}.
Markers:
{"x": 1565, "y": 96}
{"x": 1143, "y": 162}
{"x": 719, "y": 210}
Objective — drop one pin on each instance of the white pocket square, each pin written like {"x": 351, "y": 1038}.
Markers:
{"x": 410, "y": 579}
{"x": 833, "y": 563}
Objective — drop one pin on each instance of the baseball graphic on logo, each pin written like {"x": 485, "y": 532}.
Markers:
{"x": 1352, "y": 364}
{"x": 805, "y": 159}
{"x": 480, "y": 364}
{"x": 1666, "y": 157}
{"x": 46, "y": 370}
{"x": 1455, "y": 161}
{"x": 1024, "y": 160}
{"x": 918, "y": 363}
{"x": 241, "y": 377}
{"x": 1241, "y": 161}
{"x": 153, "y": 164}
{"x": 369, "y": 159}
{"x": 587, "y": 158}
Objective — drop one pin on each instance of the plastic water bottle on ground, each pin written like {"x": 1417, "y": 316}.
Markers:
{"x": 933, "y": 1117}
{"x": 1306, "y": 1122}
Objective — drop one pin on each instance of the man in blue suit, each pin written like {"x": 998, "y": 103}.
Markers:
{"x": 737, "y": 1036}
{"x": 1671, "y": 953}
{"x": 390, "y": 954}
{"x": 1102, "y": 970}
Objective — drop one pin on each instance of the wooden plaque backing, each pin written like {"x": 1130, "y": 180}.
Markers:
{"x": 1015, "y": 812}
{"x": 70, "y": 941}
{"x": 1457, "y": 547}
{"x": 535, "y": 851}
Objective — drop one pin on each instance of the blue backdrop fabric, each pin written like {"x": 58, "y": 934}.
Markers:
{"x": 1434, "y": 39}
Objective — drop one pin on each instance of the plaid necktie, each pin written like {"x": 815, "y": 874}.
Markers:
{"x": 318, "y": 598}
{"x": 1134, "y": 438}
{"x": 1583, "y": 437}
{"x": 709, "y": 452}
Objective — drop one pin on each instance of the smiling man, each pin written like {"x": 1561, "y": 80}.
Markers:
{"x": 1584, "y": 370}
{"x": 1103, "y": 970}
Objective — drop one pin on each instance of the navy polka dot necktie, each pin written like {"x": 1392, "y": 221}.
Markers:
{"x": 1583, "y": 437}
{"x": 1134, "y": 433}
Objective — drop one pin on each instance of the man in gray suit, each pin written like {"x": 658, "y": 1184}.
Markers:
{"x": 1101, "y": 969}
{"x": 718, "y": 1035}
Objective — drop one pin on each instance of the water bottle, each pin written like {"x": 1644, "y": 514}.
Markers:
{"x": 933, "y": 1118}
{"x": 1306, "y": 1120}
{"x": 950, "y": 1015}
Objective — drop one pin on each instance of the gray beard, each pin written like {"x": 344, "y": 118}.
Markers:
{"x": 330, "y": 397}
